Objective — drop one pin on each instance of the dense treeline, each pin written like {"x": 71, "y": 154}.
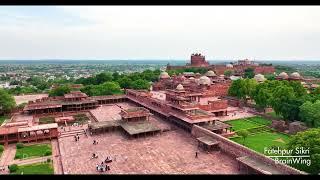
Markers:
{"x": 287, "y": 98}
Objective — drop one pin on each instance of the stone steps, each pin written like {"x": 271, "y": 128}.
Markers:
{"x": 71, "y": 133}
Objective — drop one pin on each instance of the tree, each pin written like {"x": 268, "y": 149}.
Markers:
{"x": 307, "y": 139}
{"x": 60, "y": 91}
{"x": 310, "y": 114}
{"x": 283, "y": 102}
{"x": 244, "y": 134}
{"x": 103, "y": 77}
{"x": 227, "y": 73}
{"x": 262, "y": 95}
{"x": 270, "y": 76}
{"x": 298, "y": 89}
{"x": 124, "y": 82}
{"x": 7, "y": 102}
{"x": 249, "y": 73}
{"x": 107, "y": 88}
{"x": 140, "y": 84}
{"x": 242, "y": 88}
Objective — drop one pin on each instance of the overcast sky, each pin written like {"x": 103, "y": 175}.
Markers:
{"x": 159, "y": 32}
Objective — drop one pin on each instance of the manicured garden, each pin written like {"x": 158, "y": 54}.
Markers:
{"x": 248, "y": 123}
{"x": 261, "y": 140}
{"x": 36, "y": 168}
{"x": 32, "y": 151}
{"x": 46, "y": 120}
{"x": 259, "y": 135}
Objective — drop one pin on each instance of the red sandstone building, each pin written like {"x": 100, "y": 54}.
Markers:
{"x": 198, "y": 60}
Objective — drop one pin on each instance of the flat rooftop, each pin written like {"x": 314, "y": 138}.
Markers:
{"x": 133, "y": 128}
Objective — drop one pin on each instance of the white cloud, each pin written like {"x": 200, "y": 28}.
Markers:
{"x": 132, "y": 32}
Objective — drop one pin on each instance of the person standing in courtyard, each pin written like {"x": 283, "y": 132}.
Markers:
{"x": 196, "y": 154}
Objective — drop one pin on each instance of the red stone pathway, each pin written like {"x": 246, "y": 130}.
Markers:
{"x": 7, "y": 157}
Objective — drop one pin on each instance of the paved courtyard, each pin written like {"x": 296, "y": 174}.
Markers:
{"x": 26, "y": 98}
{"x": 110, "y": 112}
{"x": 171, "y": 152}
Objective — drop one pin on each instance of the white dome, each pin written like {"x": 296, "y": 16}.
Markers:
{"x": 283, "y": 75}
{"x": 204, "y": 80}
{"x": 164, "y": 75}
{"x": 191, "y": 78}
{"x": 180, "y": 87}
{"x": 295, "y": 75}
{"x": 229, "y": 66}
{"x": 210, "y": 73}
{"x": 259, "y": 78}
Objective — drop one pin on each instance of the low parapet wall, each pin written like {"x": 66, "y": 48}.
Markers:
{"x": 237, "y": 150}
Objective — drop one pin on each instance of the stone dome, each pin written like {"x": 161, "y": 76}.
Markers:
{"x": 259, "y": 78}
{"x": 180, "y": 87}
{"x": 210, "y": 73}
{"x": 233, "y": 78}
{"x": 191, "y": 78}
{"x": 229, "y": 66}
{"x": 164, "y": 75}
{"x": 283, "y": 75}
{"x": 295, "y": 75}
{"x": 204, "y": 80}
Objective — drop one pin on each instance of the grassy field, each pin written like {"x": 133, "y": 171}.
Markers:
{"x": 37, "y": 168}
{"x": 261, "y": 140}
{"x": 242, "y": 124}
{"x": 33, "y": 151}
{"x": 259, "y": 120}
{"x": 46, "y": 120}
{"x": 248, "y": 123}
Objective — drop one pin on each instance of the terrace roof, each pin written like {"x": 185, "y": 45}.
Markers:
{"x": 207, "y": 140}
{"x": 104, "y": 124}
{"x": 139, "y": 127}
{"x": 38, "y": 127}
{"x": 216, "y": 126}
{"x": 259, "y": 166}
{"x": 8, "y": 130}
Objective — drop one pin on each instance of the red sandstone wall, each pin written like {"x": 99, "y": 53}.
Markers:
{"x": 264, "y": 70}
{"x": 238, "y": 150}
{"x": 216, "y": 105}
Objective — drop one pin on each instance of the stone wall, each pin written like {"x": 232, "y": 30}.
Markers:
{"x": 237, "y": 150}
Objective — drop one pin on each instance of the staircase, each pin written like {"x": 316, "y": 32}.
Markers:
{"x": 71, "y": 133}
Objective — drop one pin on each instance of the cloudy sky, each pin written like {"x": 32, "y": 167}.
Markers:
{"x": 159, "y": 32}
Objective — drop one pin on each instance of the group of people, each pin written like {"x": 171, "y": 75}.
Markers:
{"x": 95, "y": 142}
{"x": 103, "y": 167}
{"x": 77, "y": 137}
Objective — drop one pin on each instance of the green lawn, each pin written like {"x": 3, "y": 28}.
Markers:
{"x": 46, "y": 120}
{"x": 32, "y": 151}
{"x": 248, "y": 123}
{"x": 261, "y": 140}
{"x": 241, "y": 124}
{"x": 260, "y": 120}
{"x": 37, "y": 168}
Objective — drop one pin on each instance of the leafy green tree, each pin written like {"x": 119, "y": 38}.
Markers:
{"x": 262, "y": 95}
{"x": 309, "y": 113}
{"x": 103, "y": 77}
{"x": 298, "y": 89}
{"x": 140, "y": 84}
{"x": 249, "y": 73}
{"x": 307, "y": 139}
{"x": 107, "y": 88}
{"x": 7, "y": 102}
{"x": 227, "y": 73}
{"x": 270, "y": 76}
{"x": 243, "y": 88}
{"x": 60, "y": 91}
{"x": 283, "y": 102}
{"x": 124, "y": 82}
{"x": 244, "y": 134}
